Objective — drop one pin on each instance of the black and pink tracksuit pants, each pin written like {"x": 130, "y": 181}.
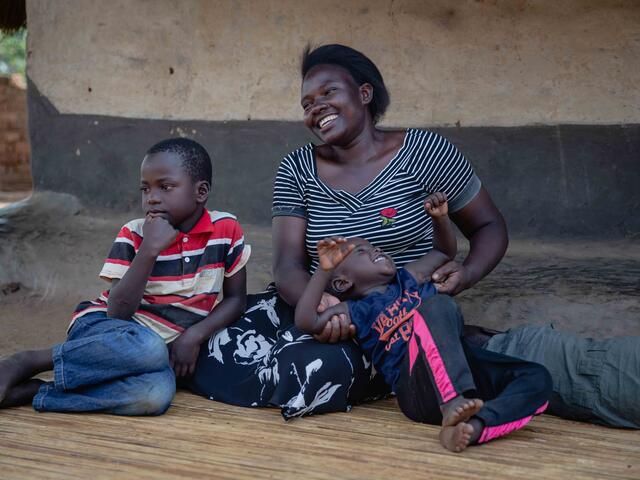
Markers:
{"x": 439, "y": 365}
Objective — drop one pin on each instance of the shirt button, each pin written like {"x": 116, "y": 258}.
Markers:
{"x": 187, "y": 259}
{"x": 185, "y": 239}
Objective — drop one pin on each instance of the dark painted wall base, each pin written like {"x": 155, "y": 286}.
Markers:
{"x": 547, "y": 180}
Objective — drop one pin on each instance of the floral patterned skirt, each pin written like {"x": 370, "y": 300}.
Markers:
{"x": 263, "y": 360}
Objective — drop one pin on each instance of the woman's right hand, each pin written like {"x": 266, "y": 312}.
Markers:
{"x": 338, "y": 328}
{"x": 451, "y": 278}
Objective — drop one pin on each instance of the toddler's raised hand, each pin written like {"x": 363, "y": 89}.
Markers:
{"x": 332, "y": 251}
{"x": 436, "y": 205}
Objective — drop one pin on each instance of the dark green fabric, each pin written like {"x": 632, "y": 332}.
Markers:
{"x": 596, "y": 381}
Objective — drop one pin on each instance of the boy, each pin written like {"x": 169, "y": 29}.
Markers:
{"x": 421, "y": 354}
{"x": 167, "y": 271}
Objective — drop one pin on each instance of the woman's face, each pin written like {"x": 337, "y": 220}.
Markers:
{"x": 335, "y": 107}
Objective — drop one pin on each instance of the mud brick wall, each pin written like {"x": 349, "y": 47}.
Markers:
{"x": 15, "y": 172}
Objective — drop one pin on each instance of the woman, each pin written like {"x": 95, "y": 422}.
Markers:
{"x": 361, "y": 181}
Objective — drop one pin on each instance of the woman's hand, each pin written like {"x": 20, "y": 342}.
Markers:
{"x": 339, "y": 328}
{"x": 451, "y": 278}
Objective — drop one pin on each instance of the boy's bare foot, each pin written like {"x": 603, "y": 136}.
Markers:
{"x": 22, "y": 366}
{"x": 459, "y": 409}
{"x": 457, "y": 437}
{"x": 21, "y": 394}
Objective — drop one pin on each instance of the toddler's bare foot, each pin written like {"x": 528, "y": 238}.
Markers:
{"x": 20, "y": 367}
{"x": 21, "y": 394}
{"x": 459, "y": 409}
{"x": 457, "y": 437}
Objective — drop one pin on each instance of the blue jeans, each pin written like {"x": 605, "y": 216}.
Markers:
{"x": 111, "y": 366}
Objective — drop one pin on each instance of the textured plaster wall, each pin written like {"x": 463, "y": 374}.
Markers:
{"x": 474, "y": 63}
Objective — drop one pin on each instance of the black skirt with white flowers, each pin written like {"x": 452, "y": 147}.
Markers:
{"x": 263, "y": 360}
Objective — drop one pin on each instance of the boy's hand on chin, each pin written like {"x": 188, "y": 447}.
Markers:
{"x": 157, "y": 233}
{"x": 183, "y": 354}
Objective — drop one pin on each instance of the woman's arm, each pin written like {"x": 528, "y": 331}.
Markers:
{"x": 291, "y": 273}
{"x": 482, "y": 223}
{"x": 290, "y": 260}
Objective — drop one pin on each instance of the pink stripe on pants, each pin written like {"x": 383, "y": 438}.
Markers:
{"x": 489, "y": 433}
{"x": 438, "y": 369}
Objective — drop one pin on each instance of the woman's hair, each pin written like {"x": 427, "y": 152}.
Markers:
{"x": 361, "y": 69}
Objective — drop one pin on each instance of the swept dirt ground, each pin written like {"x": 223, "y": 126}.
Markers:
{"x": 51, "y": 251}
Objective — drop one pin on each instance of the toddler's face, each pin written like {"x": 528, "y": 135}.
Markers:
{"x": 367, "y": 265}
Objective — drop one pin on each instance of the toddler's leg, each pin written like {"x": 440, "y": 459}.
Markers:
{"x": 435, "y": 373}
{"x": 514, "y": 391}
{"x": 437, "y": 329}
{"x": 418, "y": 400}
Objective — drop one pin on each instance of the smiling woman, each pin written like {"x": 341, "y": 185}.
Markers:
{"x": 359, "y": 181}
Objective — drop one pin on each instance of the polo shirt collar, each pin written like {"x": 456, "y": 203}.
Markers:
{"x": 203, "y": 225}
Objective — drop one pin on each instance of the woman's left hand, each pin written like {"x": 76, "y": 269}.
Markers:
{"x": 451, "y": 278}
{"x": 338, "y": 328}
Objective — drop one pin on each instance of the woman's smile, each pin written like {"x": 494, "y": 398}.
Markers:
{"x": 326, "y": 121}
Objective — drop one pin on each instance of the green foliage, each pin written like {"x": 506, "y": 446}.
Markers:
{"x": 13, "y": 52}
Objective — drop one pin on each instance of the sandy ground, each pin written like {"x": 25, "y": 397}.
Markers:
{"x": 51, "y": 251}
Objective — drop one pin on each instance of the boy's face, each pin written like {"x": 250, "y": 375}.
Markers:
{"x": 366, "y": 267}
{"x": 168, "y": 191}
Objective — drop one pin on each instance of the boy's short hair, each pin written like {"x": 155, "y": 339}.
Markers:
{"x": 195, "y": 159}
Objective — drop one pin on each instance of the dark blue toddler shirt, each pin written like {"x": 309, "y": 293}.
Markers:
{"x": 383, "y": 322}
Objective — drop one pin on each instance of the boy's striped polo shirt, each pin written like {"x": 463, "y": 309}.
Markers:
{"x": 186, "y": 281}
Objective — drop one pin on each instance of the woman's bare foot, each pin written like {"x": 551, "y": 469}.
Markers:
{"x": 21, "y": 394}
{"x": 459, "y": 409}
{"x": 457, "y": 437}
{"x": 22, "y": 366}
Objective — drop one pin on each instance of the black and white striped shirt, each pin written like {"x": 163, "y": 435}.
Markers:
{"x": 389, "y": 211}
